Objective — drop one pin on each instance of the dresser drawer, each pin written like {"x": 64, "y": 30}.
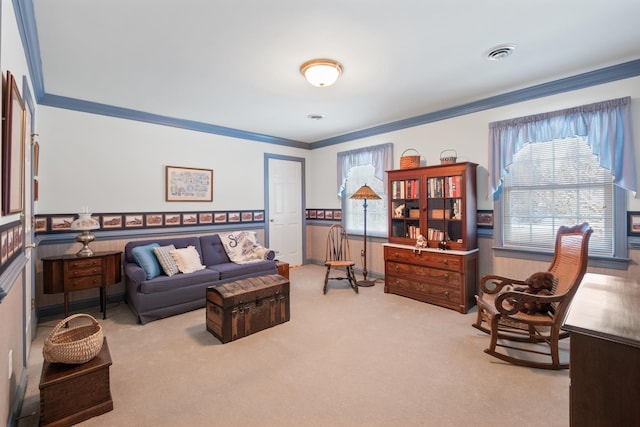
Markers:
{"x": 87, "y": 271}
{"x": 426, "y": 258}
{"x": 84, "y": 282}
{"x": 424, "y": 290}
{"x": 418, "y": 272}
{"x": 83, "y": 263}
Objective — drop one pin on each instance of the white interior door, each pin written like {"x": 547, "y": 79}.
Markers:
{"x": 285, "y": 209}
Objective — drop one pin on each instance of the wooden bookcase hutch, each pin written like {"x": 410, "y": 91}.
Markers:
{"x": 439, "y": 203}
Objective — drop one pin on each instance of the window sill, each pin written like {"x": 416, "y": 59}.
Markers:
{"x": 613, "y": 263}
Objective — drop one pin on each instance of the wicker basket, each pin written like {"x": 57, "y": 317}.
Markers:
{"x": 449, "y": 159}
{"x": 408, "y": 162}
{"x": 74, "y": 345}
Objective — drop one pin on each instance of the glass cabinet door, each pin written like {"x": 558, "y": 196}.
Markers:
{"x": 405, "y": 208}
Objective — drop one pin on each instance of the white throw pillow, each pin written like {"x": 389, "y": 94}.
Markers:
{"x": 187, "y": 259}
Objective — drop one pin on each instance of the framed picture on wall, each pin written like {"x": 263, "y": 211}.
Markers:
{"x": 484, "y": 219}
{"x": 189, "y": 184}
{"x": 633, "y": 223}
{"x": 205, "y": 218}
{"x": 111, "y": 221}
{"x": 13, "y": 136}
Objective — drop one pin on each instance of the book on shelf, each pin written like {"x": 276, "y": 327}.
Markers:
{"x": 413, "y": 232}
{"x": 453, "y": 186}
{"x": 435, "y": 187}
{"x": 435, "y": 234}
{"x": 397, "y": 189}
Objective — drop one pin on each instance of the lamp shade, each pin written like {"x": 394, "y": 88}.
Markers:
{"x": 321, "y": 72}
{"x": 85, "y": 222}
{"x": 365, "y": 193}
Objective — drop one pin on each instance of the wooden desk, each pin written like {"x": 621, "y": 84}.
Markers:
{"x": 604, "y": 323}
{"x": 70, "y": 394}
{"x": 68, "y": 273}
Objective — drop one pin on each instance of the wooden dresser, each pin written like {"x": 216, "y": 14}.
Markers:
{"x": 604, "y": 323}
{"x": 446, "y": 278}
{"x": 69, "y": 273}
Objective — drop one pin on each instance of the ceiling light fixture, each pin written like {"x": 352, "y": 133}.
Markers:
{"x": 501, "y": 52}
{"x": 321, "y": 72}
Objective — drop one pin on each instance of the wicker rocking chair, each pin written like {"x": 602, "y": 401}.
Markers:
{"x": 501, "y": 308}
{"x": 338, "y": 255}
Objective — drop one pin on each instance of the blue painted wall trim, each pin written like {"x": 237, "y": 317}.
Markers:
{"x": 29, "y": 34}
{"x": 141, "y": 116}
{"x": 580, "y": 81}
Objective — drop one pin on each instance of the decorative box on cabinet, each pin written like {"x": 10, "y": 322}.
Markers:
{"x": 445, "y": 278}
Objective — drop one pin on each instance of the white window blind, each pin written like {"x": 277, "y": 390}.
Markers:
{"x": 556, "y": 183}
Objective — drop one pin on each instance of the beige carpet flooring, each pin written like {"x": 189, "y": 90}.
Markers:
{"x": 371, "y": 359}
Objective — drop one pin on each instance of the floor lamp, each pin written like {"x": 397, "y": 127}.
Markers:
{"x": 365, "y": 193}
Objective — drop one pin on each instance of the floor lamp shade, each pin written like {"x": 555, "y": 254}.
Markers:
{"x": 365, "y": 193}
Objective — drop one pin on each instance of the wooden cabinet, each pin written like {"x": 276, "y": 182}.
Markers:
{"x": 69, "y": 273}
{"x": 446, "y": 278}
{"x": 604, "y": 359}
{"x": 70, "y": 394}
{"x": 439, "y": 203}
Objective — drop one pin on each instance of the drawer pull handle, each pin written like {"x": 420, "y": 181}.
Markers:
{"x": 396, "y": 254}
{"x": 396, "y": 267}
{"x": 446, "y": 294}
{"x": 446, "y": 277}
{"x": 445, "y": 262}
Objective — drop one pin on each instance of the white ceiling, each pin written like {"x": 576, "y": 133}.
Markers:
{"x": 236, "y": 63}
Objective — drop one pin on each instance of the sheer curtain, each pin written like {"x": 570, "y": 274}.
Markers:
{"x": 379, "y": 156}
{"x": 606, "y": 126}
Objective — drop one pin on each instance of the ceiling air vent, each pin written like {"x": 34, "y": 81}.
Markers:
{"x": 500, "y": 52}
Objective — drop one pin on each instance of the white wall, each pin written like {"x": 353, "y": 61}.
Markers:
{"x": 468, "y": 135}
{"x": 116, "y": 165}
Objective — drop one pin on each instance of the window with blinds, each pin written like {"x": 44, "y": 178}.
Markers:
{"x": 353, "y": 210}
{"x": 556, "y": 183}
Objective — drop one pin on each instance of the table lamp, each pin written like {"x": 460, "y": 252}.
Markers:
{"x": 85, "y": 223}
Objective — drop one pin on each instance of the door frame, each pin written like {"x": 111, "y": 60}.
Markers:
{"x": 303, "y": 203}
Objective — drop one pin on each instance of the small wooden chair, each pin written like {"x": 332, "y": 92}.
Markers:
{"x": 501, "y": 307}
{"x": 338, "y": 255}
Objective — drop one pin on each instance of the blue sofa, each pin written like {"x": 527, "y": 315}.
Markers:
{"x": 164, "y": 296}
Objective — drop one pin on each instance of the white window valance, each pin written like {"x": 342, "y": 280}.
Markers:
{"x": 379, "y": 156}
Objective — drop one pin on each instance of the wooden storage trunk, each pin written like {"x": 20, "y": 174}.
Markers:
{"x": 70, "y": 394}
{"x": 243, "y": 307}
